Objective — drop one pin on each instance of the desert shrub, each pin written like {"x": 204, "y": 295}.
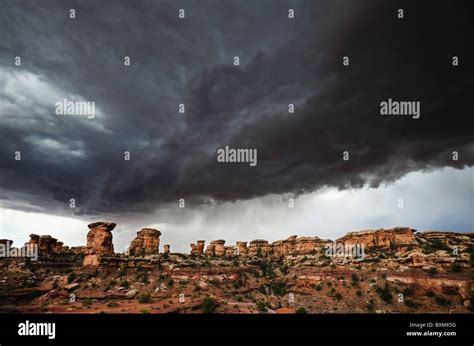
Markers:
{"x": 456, "y": 268}
{"x": 408, "y": 291}
{"x": 145, "y": 298}
{"x": 70, "y": 278}
{"x": 8, "y": 309}
{"x": 370, "y": 305}
{"x": 237, "y": 284}
{"x": 125, "y": 284}
{"x": 318, "y": 287}
{"x": 208, "y": 305}
{"x": 442, "y": 301}
{"x": 430, "y": 294}
{"x": 144, "y": 278}
{"x": 471, "y": 298}
{"x": 411, "y": 304}
{"x": 267, "y": 269}
{"x": 338, "y": 296}
{"x": 279, "y": 288}
{"x": 87, "y": 302}
{"x": 145, "y": 311}
{"x": 359, "y": 293}
{"x": 385, "y": 294}
{"x": 112, "y": 282}
{"x": 450, "y": 291}
{"x": 432, "y": 271}
{"x": 112, "y": 304}
{"x": 262, "y": 307}
{"x": 471, "y": 256}
{"x": 301, "y": 311}
{"x": 435, "y": 245}
{"x": 240, "y": 299}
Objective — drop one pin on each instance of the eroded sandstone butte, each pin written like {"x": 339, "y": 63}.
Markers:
{"x": 99, "y": 242}
{"x": 147, "y": 242}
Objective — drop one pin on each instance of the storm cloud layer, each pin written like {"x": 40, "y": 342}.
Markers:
{"x": 190, "y": 61}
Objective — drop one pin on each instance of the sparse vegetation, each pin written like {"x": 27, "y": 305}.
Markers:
{"x": 442, "y": 301}
{"x": 456, "y": 268}
{"x": 370, "y": 305}
{"x": 301, "y": 311}
{"x": 408, "y": 291}
{"x": 411, "y": 304}
{"x": 279, "y": 288}
{"x": 385, "y": 294}
{"x": 145, "y": 298}
{"x": 435, "y": 245}
{"x": 208, "y": 305}
{"x": 71, "y": 277}
{"x": 262, "y": 306}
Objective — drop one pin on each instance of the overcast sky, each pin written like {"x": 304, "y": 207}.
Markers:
{"x": 173, "y": 155}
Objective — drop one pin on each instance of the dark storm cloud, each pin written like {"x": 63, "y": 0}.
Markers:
{"x": 282, "y": 61}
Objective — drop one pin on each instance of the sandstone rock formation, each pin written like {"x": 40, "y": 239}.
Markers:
{"x": 259, "y": 247}
{"x": 216, "y": 248}
{"x": 229, "y": 251}
{"x": 299, "y": 246}
{"x": 99, "y": 242}
{"x": 241, "y": 247}
{"x": 382, "y": 239}
{"x": 166, "y": 249}
{"x": 58, "y": 247}
{"x": 147, "y": 242}
{"x": 198, "y": 248}
{"x": 47, "y": 245}
{"x": 34, "y": 240}
{"x": 78, "y": 249}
